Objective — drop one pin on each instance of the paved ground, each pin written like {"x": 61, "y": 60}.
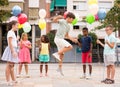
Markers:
{"x": 72, "y": 72}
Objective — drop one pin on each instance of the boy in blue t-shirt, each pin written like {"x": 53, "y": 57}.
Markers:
{"x": 85, "y": 44}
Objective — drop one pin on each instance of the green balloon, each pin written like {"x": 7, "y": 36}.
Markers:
{"x": 74, "y": 21}
{"x": 90, "y": 18}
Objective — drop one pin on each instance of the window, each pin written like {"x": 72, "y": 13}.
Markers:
{"x": 79, "y": 5}
{"x": 76, "y": 27}
{"x": 34, "y": 3}
{"x": 105, "y": 5}
{"x": 37, "y": 31}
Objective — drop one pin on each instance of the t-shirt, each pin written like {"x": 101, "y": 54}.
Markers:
{"x": 44, "y": 49}
{"x": 86, "y": 42}
{"x": 14, "y": 39}
{"x": 63, "y": 29}
{"x": 107, "y": 50}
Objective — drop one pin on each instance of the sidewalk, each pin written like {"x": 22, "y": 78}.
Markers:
{"x": 71, "y": 78}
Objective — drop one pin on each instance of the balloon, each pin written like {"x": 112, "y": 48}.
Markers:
{"x": 13, "y": 18}
{"x": 16, "y": 10}
{"x": 90, "y": 18}
{"x": 22, "y": 18}
{"x": 26, "y": 27}
{"x": 42, "y": 13}
{"x": 102, "y": 14}
{"x": 42, "y": 24}
{"x": 90, "y": 2}
{"x": 65, "y": 14}
{"x": 93, "y": 9}
{"x": 20, "y": 26}
{"x": 96, "y": 17}
{"x": 74, "y": 21}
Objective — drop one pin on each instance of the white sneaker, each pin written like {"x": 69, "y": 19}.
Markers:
{"x": 56, "y": 55}
{"x": 88, "y": 77}
{"x": 9, "y": 84}
{"x": 83, "y": 77}
{"x": 18, "y": 76}
{"x": 27, "y": 76}
{"x": 60, "y": 70}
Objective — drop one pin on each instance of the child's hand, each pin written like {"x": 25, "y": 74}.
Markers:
{"x": 14, "y": 54}
{"x": 98, "y": 41}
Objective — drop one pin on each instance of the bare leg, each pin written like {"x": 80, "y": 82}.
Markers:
{"x": 46, "y": 69}
{"x": 108, "y": 72}
{"x": 65, "y": 49}
{"x": 84, "y": 69}
{"x": 60, "y": 62}
{"x": 20, "y": 68}
{"x": 41, "y": 68}
{"x": 26, "y": 68}
{"x": 7, "y": 72}
{"x": 12, "y": 71}
{"x": 90, "y": 69}
{"x": 112, "y": 71}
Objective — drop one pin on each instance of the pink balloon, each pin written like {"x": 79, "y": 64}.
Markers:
{"x": 22, "y": 18}
{"x": 13, "y": 18}
{"x": 96, "y": 17}
{"x": 65, "y": 14}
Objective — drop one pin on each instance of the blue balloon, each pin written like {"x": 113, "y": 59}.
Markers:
{"x": 16, "y": 10}
{"x": 102, "y": 14}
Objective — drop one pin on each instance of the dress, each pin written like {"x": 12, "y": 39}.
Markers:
{"x": 24, "y": 52}
{"x": 44, "y": 54}
{"x": 7, "y": 55}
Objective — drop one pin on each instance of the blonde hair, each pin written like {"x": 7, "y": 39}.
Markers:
{"x": 23, "y": 35}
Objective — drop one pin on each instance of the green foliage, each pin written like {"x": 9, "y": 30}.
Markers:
{"x": 4, "y": 15}
{"x": 93, "y": 36}
{"x": 3, "y": 2}
{"x": 51, "y": 37}
{"x": 112, "y": 17}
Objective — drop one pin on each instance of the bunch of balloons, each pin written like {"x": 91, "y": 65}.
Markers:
{"x": 75, "y": 20}
{"x": 94, "y": 12}
{"x": 42, "y": 22}
{"x": 21, "y": 18}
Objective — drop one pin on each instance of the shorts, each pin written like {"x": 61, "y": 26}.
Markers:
{"x": 109, "y": 59}
{"x": 61, "y": 43}
{"x": 86, "y": 58}
{"x": 44, "y": 58}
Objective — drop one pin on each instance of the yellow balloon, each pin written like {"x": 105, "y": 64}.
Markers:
{"x": 42, "y": 24}
{"x": 20, "y": 26}
{"x": 90, "y": 2}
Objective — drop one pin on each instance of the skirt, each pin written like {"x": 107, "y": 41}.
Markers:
{"x": 7, "y": 56}
{"x": 44, "y": 58}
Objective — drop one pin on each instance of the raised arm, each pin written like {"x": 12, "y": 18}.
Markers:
{"x": 55, "y": 19}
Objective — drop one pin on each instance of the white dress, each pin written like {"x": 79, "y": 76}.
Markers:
{"x": 7, "y": 55}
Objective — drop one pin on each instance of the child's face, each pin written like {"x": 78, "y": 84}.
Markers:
{"x": 85, "y": 32}
{"x": 42, "y": 38}
{"x": 15, "y": 27}
{"x": 25, "y": 37}
{"x": 69, "y": 20}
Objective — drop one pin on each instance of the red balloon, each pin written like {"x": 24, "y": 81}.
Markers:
{"x": 96, "y": 17}
{"x": 65, "y": 14}
{"x": 22, "y": 18}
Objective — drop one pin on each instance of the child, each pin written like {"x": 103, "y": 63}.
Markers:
{"x": 86, "y": 46}
{"x": 44, "y": 54}
{"x": 109, "y": 54}
{"x": 10, "y": 53}
{"x": 24, "y": 54}
{"x": 62, "y": 32}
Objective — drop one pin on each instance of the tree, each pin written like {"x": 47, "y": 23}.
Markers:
{"x": 4, "y": 15}
{"x": 112, "y": 17}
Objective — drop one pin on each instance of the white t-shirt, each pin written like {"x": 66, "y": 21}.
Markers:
{"x": 14, "y": 39}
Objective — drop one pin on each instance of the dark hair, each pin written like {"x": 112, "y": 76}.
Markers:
{"x": 11, "y": 24}
{"x": 46, "y": 39}
{"x": 85, "y": 28}
{"x": 110, "y": 26}
{"x": 70, "y": 15}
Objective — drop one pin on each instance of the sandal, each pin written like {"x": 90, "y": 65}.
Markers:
{"x": 110, "y": 81}
{"x": 105, "y": 80}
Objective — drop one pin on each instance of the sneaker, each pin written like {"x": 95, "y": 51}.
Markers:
{"x": 27, "y": 76}
{"x": 9, "y": 84}
{"x": 83, "y": 77}
{"x": 56, "y": 55}
{"x": 46, "y": 75}
{"x": 60, "y": 70}
{"x": 18, "y": 76}
{"x": 88, "y": 77}
{"x": 41, "y": 75}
